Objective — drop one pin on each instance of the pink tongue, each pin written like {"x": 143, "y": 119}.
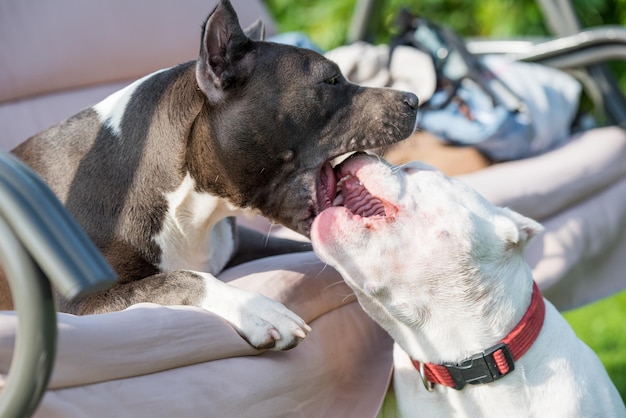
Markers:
{"x": 359, "y": 200}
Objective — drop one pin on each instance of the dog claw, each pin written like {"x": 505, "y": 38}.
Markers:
{"x": 263, "y": 322}
{"x": 267, "y": 346}
{"x": 276, "y": 342}
{"x": 275, "y": 334}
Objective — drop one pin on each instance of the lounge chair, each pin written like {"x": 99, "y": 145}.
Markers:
{"x": 182, "y": 361}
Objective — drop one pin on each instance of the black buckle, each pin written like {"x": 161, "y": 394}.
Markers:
{"x": 480, "y": 368}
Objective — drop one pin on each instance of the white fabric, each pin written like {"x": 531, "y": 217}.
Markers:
{"x": 368, "y": 65}
{"x": 552, "y": 97}
{"x": 545, "y": 185}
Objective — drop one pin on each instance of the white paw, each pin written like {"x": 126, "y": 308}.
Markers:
{"x": 263, "y": 322}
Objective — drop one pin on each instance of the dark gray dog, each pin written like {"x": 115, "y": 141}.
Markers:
{"x": 155, "y": 171}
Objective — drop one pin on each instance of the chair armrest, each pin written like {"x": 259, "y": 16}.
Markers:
{"x": 40, "y": 241}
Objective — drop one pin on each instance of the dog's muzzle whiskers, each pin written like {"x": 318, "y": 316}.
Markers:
{"x": 347, "y": 297}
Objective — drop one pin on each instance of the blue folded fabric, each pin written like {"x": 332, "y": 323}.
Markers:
{"x": 298, "y": 39}
{"x": 551, "y": 98}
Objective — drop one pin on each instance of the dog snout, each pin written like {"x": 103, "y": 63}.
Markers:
{"x": 411, "y": 100}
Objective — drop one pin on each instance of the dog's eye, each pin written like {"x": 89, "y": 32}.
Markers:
{"x": 332, "y": 80}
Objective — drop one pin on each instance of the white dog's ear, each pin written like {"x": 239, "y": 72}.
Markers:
{"x": 525, "y": 229}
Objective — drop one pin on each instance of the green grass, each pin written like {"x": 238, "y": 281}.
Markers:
{"x": 602, "y": 326}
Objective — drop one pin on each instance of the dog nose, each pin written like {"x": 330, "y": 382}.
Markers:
{"x": 411, "y": 100}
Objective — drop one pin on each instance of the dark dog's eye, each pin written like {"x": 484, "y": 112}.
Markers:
{"x": 333, "y": 80}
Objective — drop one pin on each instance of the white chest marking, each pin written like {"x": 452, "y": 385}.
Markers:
{"x": 195, "y": 235}
{"x": 111, "y": 110}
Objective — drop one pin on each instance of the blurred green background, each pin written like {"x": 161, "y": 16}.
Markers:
{"x": 602, "y": 325}
{"x": 327, "y": 21}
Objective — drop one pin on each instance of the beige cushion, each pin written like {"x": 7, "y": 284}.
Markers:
{"x": 545, "y": 185}
{"x": 157, "y": 361}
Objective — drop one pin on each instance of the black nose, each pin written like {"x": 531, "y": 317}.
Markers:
{"x": 411, "y": 100}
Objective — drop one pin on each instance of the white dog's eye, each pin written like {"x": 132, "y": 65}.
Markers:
{"x": 415, "y": 166}
{"x": 372, "y": 288}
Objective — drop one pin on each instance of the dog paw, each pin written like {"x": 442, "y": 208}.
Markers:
{"x": 267, "y": 324}
{"x": 263, "y": 322}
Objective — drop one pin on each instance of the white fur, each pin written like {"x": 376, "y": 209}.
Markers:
{"x": 192, "y": 227}
{"x": 111, "y": 110}
{"x": 258, "y": 318}
{"x": 447, "y": 279}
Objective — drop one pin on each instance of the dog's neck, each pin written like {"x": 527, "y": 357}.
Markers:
{"x": 494, "y": 362}
{"x": 467, "y": 317}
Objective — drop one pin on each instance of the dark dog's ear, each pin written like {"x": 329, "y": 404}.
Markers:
{"x": 223, "y": 47}
{"x": 256, "y": 31}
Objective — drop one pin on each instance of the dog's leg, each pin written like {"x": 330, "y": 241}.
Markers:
{"x": 263, "y": 322}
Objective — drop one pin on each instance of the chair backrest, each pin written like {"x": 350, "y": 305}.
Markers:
{"x": 562, "y": 20}
{"x": 58, "y": 57}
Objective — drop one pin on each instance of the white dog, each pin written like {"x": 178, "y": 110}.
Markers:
{"x": 442, "y": 270}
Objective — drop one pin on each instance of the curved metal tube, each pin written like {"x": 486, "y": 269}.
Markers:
{"x": 586, "y": 40}
{"x": 35, "y": 346}
{"x": 589, "y": 49}
{"x": 54, "y": 239}
{"x": 40, "y": 243}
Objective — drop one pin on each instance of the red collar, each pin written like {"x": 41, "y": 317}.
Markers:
{"x": 493, "y": 363}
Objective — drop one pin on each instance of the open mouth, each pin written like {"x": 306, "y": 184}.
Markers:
{"x": 341, "y": 187}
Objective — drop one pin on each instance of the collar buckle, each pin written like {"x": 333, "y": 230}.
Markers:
{"x": 492, "y": 364}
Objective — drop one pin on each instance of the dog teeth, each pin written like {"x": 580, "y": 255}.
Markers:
{"x": 338, "y": 160}
{"x": 344, "y": 179}
{"x": 339, "y": 199}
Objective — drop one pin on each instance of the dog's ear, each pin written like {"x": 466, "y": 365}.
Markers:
{"x": 525, "y": 229}
{"x": 223, "y": 47}
{"x": 256, "y": 31}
